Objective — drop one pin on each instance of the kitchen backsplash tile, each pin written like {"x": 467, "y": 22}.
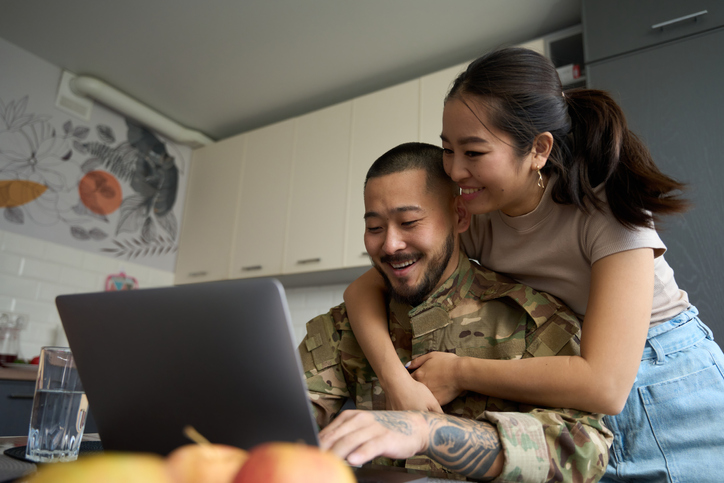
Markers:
{"x": 41, "y": 270}
{"x": 10, "y": 264}
{"x": 33, "y": 272}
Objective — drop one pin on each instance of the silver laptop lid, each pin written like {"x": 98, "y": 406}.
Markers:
{"x": 219, "y": 356}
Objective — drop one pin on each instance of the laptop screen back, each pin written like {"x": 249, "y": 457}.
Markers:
{"x": 219, "y": 356}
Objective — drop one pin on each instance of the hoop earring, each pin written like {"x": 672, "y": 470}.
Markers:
{"x": 540, "y": 180}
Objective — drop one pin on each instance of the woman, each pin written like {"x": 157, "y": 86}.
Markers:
{"x": 565, "y": 198}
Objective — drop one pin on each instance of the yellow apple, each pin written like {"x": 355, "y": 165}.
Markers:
{"x": 280, "y": 462}
{"x": 205, "y": 463}
{"x": 105, "y": 468}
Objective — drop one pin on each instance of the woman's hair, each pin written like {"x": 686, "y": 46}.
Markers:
{"x": 523, "y": 97}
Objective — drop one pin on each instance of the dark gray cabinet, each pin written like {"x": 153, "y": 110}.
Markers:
{"x": 614, "y": 27}
{"x": 673, "y": 97}
{"x": 16, "y": 404}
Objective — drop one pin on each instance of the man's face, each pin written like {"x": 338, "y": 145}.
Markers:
{"x": 410, "y": 234}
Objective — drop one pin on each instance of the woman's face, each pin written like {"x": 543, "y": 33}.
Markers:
{"x": 484, "y": 164}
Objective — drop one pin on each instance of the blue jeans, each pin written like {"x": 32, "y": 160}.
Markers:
{"x": 672, "y": 427}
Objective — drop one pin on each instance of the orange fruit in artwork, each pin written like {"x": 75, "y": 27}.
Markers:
{"x": 100, "y": 192}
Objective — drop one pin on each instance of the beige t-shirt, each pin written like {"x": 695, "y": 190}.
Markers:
{"x": 553, "y": 248}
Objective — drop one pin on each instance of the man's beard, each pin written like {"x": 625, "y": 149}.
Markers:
{"x": 414, "y": 296}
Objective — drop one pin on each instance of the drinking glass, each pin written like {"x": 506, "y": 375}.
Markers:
{"x": 59, "y": 411}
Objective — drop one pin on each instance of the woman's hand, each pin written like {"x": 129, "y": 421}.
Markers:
{"x": 406, "y": 394}
{"x": 360, "y": 436}
{"x": 437, "y": 370}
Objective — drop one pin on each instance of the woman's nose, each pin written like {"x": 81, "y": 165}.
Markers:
{"x": 455, "y": 169}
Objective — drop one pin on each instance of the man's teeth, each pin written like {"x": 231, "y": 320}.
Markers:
{"x": 399, "y": 266}
{"x": 468, "y": 191}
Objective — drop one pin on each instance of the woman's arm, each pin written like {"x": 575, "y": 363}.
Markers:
{"x": 599, "y": 380}
{"x": 365, "y": 301}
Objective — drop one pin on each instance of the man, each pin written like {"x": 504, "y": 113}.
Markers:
{"x": 441, "y": 301}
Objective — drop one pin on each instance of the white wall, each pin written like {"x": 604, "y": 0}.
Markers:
{"x": 33, "y": 272}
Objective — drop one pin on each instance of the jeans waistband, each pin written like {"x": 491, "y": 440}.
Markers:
{"x": 683, "y": 331}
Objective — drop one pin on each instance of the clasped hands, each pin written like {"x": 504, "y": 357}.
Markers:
{"x": 432, "y": 384}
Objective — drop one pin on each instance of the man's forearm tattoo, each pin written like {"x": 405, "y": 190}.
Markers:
{"x": 395, "y": 421}
{"x": 464, "y": 446}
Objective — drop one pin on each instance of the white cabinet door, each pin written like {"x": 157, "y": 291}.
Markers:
{"x": 207, "y": 228}
{"x": 315, "y": 235}
{"x": 380, "y": 121}
{"x": 433, "y": 89}
{"x": 258, "y": 244}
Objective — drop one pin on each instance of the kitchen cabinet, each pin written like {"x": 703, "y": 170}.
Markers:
{"x": 433, "y": 89}
{"x": 16, "y": 405}
{"x": 672, "y": 97}
{"x": 318, "y": 196}
{"x": 380, "y": 121}
{"x": 614, "y": 27}
{"x": 207, "y": 228}
{"x": 261, "y": 216}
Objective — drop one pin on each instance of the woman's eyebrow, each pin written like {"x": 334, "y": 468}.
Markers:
{"x": 467, "y": 140}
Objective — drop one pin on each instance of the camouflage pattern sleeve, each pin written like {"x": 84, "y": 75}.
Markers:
{"x": 550, "y": 445}
{"x": 321, "y": 362}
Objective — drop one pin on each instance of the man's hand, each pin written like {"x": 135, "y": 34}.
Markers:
{"x": 468, "y": 447}
{"x": 360, "y": 436}
{"x": 406, "y": 394}
{"x": 436, "y": 370}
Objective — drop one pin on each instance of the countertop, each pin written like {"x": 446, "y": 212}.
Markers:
{"x": 18, "y": 374}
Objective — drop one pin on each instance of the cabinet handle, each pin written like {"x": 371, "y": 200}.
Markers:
{"x": 198, "y": 274}
{"x": 309, "y": 260}
{"x": 680, "y": 19}
{"x": 251, "y": 267}
{"x": 363, "y": 254}
{"x": 20, "y": 396}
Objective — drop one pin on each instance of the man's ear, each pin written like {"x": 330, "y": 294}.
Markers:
{"x": 462, "y": 222}
{"x": 542, "y": 146}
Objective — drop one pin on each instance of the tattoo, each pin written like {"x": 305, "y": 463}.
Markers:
{"x": 394, "y": 421}
{"x": 464, "y": 446}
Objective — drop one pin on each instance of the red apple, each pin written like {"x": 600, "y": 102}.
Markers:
{"x": 205, "y": 463}
{"x": 280, "y": 462}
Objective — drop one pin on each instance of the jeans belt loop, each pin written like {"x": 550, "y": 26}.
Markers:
{"x": 705, "y": 328}
{"x": 660, "y": 354}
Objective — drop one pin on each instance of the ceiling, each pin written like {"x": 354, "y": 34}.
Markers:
{"x": 227, "y": 66}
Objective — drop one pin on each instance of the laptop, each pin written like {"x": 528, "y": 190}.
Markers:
{"x": 219, "y": 356}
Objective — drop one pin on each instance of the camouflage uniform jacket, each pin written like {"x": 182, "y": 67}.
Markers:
{"x": 475, "y": 313}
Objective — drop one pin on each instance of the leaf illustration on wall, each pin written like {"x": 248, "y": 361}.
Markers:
{"x": 133, "y": 213}
{"x": 19, "y": 192}
{"x": 105, "y": 133}
{"x": 148, "y": 232}
{"x": 14, "y": 215}
{"x": 135, "y": 247}
{"x": 169, "y": 223}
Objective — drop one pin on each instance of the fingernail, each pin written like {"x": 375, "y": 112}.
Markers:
{"x": 408, "y": 364}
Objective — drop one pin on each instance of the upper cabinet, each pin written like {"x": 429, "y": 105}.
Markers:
{"x": 318, "y": 196}
{"x": 261, "y": 216}
{"x": 208, "y": 221}
{"x": 618, "y": 26}
{"x": 380, "y": 121}
{"x": 433, "y": 89}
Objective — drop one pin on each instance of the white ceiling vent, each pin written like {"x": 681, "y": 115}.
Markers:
{"x": 70, "y": 102}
